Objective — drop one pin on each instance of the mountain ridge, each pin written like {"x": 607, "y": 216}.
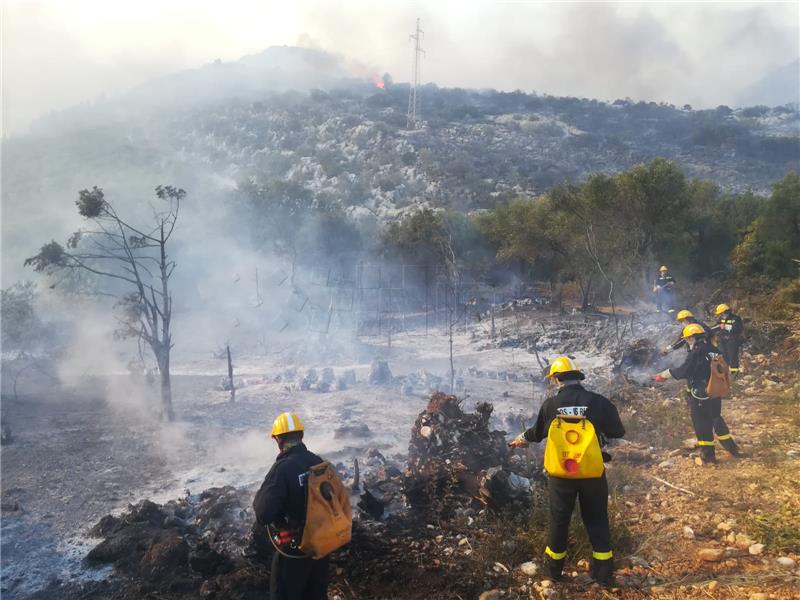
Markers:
{"x": 349, "y": 146}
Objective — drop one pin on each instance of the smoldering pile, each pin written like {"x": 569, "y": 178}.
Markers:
{"x": 637, "y": 361}
{"x": 207, "y": 546}
{"x": 454, "y": 460}
{"x": 203, "y": 545}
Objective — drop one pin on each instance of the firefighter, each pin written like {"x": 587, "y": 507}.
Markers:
{"x": 706, "y": 412}
{"x": 664, "y": 289}
{"x": 686, "y": 317}
{"x": 730, "y": 331}
{"x": 592, "y": 494}
{"x": 280, "y": 503}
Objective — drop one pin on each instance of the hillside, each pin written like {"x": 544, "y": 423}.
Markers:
{"x": 210, "y": 129}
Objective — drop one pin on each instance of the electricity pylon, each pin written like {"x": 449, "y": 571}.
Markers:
{"x": 414, "y": 100}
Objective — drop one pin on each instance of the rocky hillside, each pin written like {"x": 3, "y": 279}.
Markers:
{"x": 211, "y": 129}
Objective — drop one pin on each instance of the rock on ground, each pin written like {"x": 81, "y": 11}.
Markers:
{"x": 379, "y": 373}
{"x": 711, "y": 554}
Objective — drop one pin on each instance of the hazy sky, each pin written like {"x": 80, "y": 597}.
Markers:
{"x": 60, "y": 52}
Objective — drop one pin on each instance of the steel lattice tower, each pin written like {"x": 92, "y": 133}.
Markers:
{"x": 414, "y": 105}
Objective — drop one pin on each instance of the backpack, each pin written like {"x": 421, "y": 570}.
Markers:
{"x": 719, "y": 379}
{"x": 329, "y": 518}
{"x": 572, "y": 450}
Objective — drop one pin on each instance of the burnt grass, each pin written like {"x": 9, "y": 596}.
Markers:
{"x": 206, "y": 546}
{"x": 213, "y": 551}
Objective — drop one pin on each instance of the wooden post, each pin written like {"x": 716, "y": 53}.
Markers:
{"x": 494, "y": 301}
{"x": 230, "y": 374}
{"x": 356, "y": 476}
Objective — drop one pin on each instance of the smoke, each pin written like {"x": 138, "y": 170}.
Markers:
{"x": 702, "y": 54}
{"x": 93, "y": 361}
{"x": 698, "y": 53}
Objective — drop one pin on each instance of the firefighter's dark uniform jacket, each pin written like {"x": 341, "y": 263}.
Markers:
{"x": 576, "y": 400}
{"x": 281, "y": 502}
{"x": 663, "y": 282}
{"x": 665, "y": 285}
{"x": 730, "y": 325}
{"x": 680, "y": 342}
{"x": 592, "y": 494}
{"x": 730, "y": 330}
{"x": 696, "y": 369}
{"x": 706, "y": 412}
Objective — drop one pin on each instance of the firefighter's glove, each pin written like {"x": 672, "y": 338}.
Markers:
{"x": 661, "y": 377}
{"x": 666, "y": 351}
{"x": 519, "y": 441}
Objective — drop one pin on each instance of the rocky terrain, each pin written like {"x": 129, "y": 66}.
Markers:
{"x": 345, "y": 143}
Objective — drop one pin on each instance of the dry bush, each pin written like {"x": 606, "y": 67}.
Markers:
{"x": 780, "y": 527}
{"x": 786, "y": 301}
{"x": 516, "y": 538}
{"x": 660, "y": 423}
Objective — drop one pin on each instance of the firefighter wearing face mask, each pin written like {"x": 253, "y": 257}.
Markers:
{"x": 730, "y": 331}
{"x": 686, "y": 317}
{"x": 706, "y": 411}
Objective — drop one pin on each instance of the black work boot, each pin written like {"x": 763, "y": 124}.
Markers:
{"x": 555, "y": 568}
{"x": 707, "y": 456}
{"x": 603, "y": 571}
{"x": 731, "y": 447}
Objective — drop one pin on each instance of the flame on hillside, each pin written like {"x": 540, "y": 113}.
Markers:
{"x": 379, "y": 82}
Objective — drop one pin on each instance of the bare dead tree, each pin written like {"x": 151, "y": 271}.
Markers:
{"x": 452, "y": 280}
{"x": 591, "y": 249}
{"x": 134, "y": 264}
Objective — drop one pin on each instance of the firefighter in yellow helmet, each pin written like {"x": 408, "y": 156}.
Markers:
{"x": 664, "y": 289}
{"x": 281, "y": 504}
{"x": 706, "y": 412}
{"x": 730, "y": 331}
{"x": 686, "y": 317}
{"x": 574, "y": 403}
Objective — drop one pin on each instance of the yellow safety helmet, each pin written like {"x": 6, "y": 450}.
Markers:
{"x": 663, "y": 268}
{"x": 286, "y": 423}
{"x": 684, "y": 314}
{"x": 721, "y": 308}
{"x": 563, "y": 365}
{"x": 692, "y": 329}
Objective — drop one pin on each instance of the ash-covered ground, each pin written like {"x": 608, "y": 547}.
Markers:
{"x": 78, "y": 452}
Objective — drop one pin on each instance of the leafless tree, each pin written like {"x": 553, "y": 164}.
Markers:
{"x": 452, "y": 283}
{"x": 133, "y": 263}
{"x": 592, "y": 250}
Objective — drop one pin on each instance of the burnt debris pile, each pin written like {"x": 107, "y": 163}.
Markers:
{"x": 197, "y": 546}
{"x": 454, "y": 460}
{"x": 637, "y": 356}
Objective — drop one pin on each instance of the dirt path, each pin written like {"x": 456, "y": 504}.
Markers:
{"x": 702, "y": 534}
